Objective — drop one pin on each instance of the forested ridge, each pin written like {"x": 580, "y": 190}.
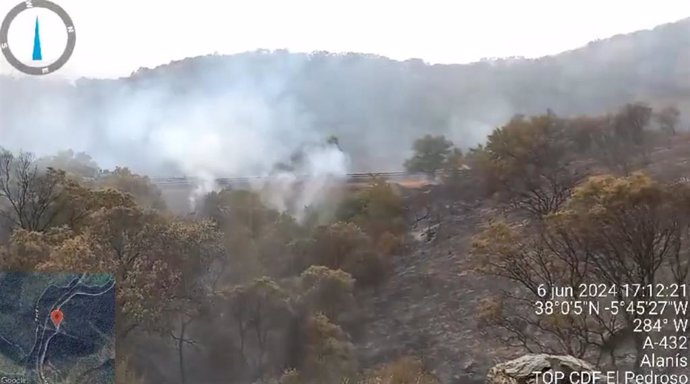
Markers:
{"x": 374, "y": 105}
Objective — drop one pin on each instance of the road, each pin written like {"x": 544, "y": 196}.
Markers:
{"x": 227, "y": 181}
{"x": 45, "y": 330}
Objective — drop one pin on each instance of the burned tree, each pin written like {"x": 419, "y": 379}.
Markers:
{"x": 613, "y": 231}
{"x": 530, "y": 160}
{"x": 32, "y": 196}
{"x": 668, "y": 119}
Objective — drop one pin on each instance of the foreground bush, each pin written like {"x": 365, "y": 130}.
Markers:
{"x": 406, "y": 370}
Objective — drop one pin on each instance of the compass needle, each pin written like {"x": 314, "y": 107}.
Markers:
{"x": 37, "y": 55}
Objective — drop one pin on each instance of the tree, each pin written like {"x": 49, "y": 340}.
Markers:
{"x": 530, "y": 159}
{"x": 145, "y": 193}
{"x": 199, "y": 246}
{"x": 519, "y": 255}
{"x": 345, "y": 246}
{"x": 78, "y": 164}
{"x": 330, "y": 356}
{"x": 336, "y": 243}
{"x": 634, "y": 231}
{"x": 646, "y": 219}
{"x": 238, "y": 208}
{"x": 623, "y": 142}
{"x": 272, "y": 242}
{"x": 613, "y": 231}
{"x": 258, "y": 309}
{"x": 430, "y": 154}
{"x": 327, "y": 291}
{"x": 377, "y": 209}
{"x": 32, "y": 196}
{"x": 483, "y": 171}
{"x": 137, "y": 248}
{"x": 256, "y": 234}
{"x": 668, "y": 119}
{"x": 26, "y": 250}
{"x": 37, "y": 199}
{"x": 584, "y": 131}
{"x": 79, "y": 203}
{"x": 631, "y": 122}
{"x": 453, "y": 168}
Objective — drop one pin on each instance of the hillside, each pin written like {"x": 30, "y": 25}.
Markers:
{"x": 374, "y": 105}
{"x": 429, "y": 307}
{"x": 313, "y": 277}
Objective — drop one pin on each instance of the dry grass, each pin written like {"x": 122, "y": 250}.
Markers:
{"x": 406, "y": 370}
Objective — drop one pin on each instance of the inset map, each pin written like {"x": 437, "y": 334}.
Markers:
{"x": 57, "y": 328}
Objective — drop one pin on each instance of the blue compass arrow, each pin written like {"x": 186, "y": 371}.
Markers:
{"x": 37, "y": 56}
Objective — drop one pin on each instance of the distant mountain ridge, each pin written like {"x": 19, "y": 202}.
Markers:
{"x": 374, "y": 105}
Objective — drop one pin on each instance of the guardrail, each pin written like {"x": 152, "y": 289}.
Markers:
{"x": 350, "y": 177}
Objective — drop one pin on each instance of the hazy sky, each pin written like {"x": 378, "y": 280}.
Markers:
{"x": 115, "y": 38}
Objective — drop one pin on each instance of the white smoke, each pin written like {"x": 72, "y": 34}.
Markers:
{"x": 310, "y": 183}
{"x": 204, "y": 131}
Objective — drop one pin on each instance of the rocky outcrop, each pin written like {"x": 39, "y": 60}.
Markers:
{"x": 521, "y": 370}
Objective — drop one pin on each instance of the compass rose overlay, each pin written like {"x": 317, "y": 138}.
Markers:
{"x": 43, "y": 69}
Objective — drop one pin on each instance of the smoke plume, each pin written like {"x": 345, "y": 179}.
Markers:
{"x": 204, "y": 131}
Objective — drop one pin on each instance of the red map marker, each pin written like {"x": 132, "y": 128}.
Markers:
{"x": 56, "y": 316}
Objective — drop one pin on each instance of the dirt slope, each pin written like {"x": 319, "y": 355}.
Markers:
{"x": 427, "y": 306}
